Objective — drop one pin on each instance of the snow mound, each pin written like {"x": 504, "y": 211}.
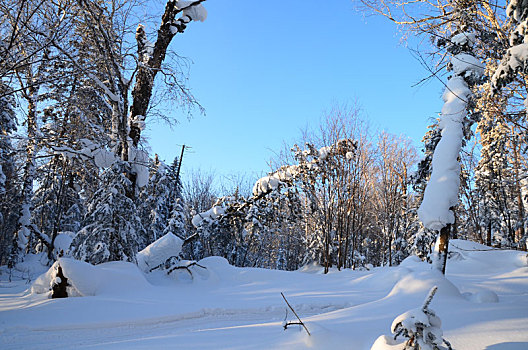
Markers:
{"x": 312, "y": 267}
{"x": 412, "y": 262}
{"x": 113, "y": 278}
{"x": 460, "y": 244}
{"x": 159, "y": 251}
{"x": 386, "y": 343}
{"x": 419, "y": 283}
{"x": 484, "y": 296}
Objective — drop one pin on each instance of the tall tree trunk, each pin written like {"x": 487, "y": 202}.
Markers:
{"x": 518, "y": 193}
{"x": 150, "y": 63}
{"x": 23, "y": 234}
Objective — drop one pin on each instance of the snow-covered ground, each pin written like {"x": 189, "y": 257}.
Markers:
{"x": 226, "y": 307}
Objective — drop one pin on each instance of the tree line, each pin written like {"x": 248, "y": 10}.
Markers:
{"x": 81, "y": 78}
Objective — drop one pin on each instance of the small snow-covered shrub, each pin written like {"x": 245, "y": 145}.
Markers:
{"x": 166, "y": 249}
{"x": 165, "y": 255}
{"x": 421, "y": 327}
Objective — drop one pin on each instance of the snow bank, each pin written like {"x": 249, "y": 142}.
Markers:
{"x": 159, "y": 251}
{"x": 420, "y": 282}
{"x": 484, "y": 296}
{"x": 386, "y": 343}
{"x": 113, "y": 278}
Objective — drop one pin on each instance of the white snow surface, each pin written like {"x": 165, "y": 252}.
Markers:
{"x": 241, "y": 308}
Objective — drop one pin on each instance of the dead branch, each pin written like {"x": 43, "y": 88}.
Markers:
{"x": 294, "y": 323}
{"x": 186, "y": 268}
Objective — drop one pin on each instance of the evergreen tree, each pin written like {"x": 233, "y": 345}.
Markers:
{"x": 8, "y": 186}
{"x": 111, "y": 229}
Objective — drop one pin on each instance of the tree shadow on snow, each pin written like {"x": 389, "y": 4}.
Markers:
{"x": 508, "y": 346}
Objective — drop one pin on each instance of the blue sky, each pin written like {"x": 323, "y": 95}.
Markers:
{"x": 265, "y": 70}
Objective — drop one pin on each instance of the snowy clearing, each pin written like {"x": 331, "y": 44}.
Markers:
{"x": 483, "y": 304}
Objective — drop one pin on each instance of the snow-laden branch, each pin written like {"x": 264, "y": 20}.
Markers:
{"x": 441, "y": 192}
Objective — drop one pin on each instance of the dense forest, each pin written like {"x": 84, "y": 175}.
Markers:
{"x": 79, "y": 80}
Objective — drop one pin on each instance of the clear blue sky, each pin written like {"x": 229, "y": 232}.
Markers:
{"x": 265, "y": 70}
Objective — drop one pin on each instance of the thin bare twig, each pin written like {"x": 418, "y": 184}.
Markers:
{"x": 300, "y": 321}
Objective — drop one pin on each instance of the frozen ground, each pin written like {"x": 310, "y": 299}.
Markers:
{"x": 241, "y": 308}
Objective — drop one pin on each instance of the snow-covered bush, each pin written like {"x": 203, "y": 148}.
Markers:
{"x": 421, "y": 328}
{"x": 165, "y": 255}
{"x": 167, "y": 248}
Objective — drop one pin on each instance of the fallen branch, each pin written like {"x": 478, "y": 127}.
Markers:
{"x": 186, "y": 267}
{"x": 165, "y": 264}
{"x": 294, "y": 323}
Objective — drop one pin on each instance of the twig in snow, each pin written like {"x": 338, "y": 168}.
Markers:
{"x": 186, "y": 268}
{"x": 292, "y": 323}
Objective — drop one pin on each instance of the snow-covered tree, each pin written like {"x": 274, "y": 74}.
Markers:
{"x": 441, "y": 193}
{"x": 421, "y": 327}
{"x": 8, "y": 188}
{"x": 112, "y": 228}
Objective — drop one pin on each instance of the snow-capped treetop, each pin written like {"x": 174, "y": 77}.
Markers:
{"x": 273, "y": 180}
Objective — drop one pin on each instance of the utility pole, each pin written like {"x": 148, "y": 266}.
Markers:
{"x": 179, "y": 165}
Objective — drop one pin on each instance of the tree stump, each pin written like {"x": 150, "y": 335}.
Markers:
{"x": 59, "y": 286}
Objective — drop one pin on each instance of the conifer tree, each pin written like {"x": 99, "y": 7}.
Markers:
{"x": 112, "y": 228}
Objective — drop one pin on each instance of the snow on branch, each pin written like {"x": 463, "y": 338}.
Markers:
{"x": 441, "y": 192}
{"x": 515, "y": 59}
{"x": 310, "y": 159}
